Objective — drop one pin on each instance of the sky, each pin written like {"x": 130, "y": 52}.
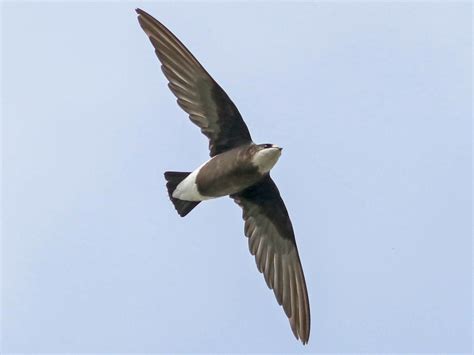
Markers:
{"x": 372, "y": 104}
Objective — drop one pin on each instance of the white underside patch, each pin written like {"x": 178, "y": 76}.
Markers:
{"x": 187, "y": 189}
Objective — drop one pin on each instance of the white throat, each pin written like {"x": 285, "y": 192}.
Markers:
{"x": 265, "y": 159}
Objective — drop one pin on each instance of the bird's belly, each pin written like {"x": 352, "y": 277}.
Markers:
{"x": 216, "y": 178}
{"x": 219, "y": 178}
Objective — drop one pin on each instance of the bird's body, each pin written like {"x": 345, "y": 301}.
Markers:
{"x": 227, "y": 173}
{"x": 238, "y": 168}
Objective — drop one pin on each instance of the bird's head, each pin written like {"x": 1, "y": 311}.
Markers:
{"x": 265, "y": 156}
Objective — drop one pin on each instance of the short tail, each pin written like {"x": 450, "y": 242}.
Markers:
{"x": 173, "y": 178}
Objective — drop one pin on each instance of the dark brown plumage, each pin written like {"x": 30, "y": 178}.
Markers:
{"x": 272, "y": 241}
{"x": 230, "y": 172}
{"x": 197, "y": 93}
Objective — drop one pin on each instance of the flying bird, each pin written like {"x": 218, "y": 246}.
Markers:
{"x": 238, "y": 168}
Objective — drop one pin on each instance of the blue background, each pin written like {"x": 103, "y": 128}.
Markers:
{"x": 372, "y": 104}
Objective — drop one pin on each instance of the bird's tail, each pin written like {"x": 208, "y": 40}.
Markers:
{"x": 173, "y": 178}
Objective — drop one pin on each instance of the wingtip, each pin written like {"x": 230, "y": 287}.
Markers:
{"x": 305, "y": 339}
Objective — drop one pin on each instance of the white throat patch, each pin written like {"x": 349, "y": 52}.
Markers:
{"x": 266, "y": 158}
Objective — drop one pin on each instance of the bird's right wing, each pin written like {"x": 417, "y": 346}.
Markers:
{"x": 197, "y": 93}
{"x": 272, "y": 241}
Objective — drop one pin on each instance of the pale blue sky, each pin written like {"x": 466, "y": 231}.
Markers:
{"x": 372, "y": 104}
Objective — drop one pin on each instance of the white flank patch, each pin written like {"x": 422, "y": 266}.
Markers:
{"x": 187, "y": 189}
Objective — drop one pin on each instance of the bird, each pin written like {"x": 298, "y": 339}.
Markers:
{"x": 238, "y": 168}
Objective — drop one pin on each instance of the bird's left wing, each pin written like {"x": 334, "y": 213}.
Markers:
{"x": 272, "y": 241}
{"x": 197, "y": 93}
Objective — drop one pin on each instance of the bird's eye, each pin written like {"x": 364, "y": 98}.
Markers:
{"x": 267, "y": 145}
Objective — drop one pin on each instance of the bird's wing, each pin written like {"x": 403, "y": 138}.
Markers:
{"x": 197, "y": 93}
{"x": 272, "y": 241}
